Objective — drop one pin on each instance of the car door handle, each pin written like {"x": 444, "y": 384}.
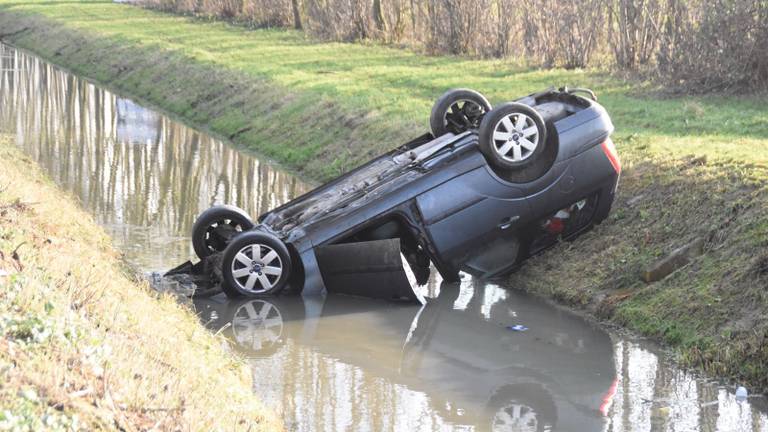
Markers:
{"x": 508, "y": 221}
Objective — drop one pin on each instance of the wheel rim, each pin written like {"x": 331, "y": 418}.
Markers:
{"x": 256, "y": 268}
{"x": 516, "y": 417}
{"x": 220, "y": 232}
{"x": 515, "y": 137}
{"x": 463, "y": 115}
{"x": 257, "y": 325}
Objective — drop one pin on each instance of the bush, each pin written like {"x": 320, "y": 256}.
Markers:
{"x": 720, "y": 45}
{"x": 689, "y": 45}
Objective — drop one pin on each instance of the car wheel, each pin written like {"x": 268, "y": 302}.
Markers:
{"x": 458, "y": 111}
{"x": 216, "y": 227}
{"x": 512, "y": 136}
{"x": 522, "y": 407}
{"x": 257, "y": 326}
{"x": 515, "y": 417}
{"x": 604, "y": 204}
{"x": 255, "y": 263}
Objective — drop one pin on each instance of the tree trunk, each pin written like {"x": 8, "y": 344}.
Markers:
{"x": 378, "y": 17}
{"x": 359, "y": 21}
{"x": 296, "y": 15}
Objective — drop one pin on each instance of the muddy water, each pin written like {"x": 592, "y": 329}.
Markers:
{"x": 340, "y": 363}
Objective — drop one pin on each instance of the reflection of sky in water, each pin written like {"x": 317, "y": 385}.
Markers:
{"x": 654, "y": 396}
{"x": 347, "y": 400}
{"x": 142, "y": 175}
{"x": 135, "y": 124}
{"x": 145, "y": 177}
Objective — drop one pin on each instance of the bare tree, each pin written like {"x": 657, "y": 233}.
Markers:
{"x": 694, "y": 45}
{"x": 360, "y": 17}
{"x": 378, "y": 17}
{"x": 295, "y": 8}
{"x": 634, "y": 30}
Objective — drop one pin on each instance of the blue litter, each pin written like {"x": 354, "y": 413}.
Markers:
{"x": 518, "y": 327}
{"x": 741, "y": 394}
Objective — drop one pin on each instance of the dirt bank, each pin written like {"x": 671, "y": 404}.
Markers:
{"x": 83, "y": 346}
{"x": 323, "y": 115}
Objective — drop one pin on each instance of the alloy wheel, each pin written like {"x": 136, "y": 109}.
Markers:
{"x": 256, "y": 268}
{"x": 515, "y": 137}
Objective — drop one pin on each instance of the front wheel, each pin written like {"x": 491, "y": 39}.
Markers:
{"x": 255, "y": 263}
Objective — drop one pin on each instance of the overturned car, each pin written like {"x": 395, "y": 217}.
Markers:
{"x": 486, "y": 189}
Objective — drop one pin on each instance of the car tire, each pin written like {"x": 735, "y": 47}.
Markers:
{"x": 255, "y": 263}
{"x": 604, "y": 204}
{"x": 457, "y": 111}
{"x": 522, "y": 406}
{"x": 207, "y": 240}
{"x": 512, "y": 136}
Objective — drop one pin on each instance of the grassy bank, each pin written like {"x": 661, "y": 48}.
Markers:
{"x": 714, "y": 309}
{"x": 85, "y": 347}
{"x": 695, "y": 168}
{"x": 323, "y": 108}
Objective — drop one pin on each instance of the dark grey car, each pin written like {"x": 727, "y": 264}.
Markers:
{"x": 482, "y": 192}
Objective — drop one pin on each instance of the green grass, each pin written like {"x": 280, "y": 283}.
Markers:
{"x": 712, "y": 309}
{"x": 323, "y": 108}
{"x": 395, "y": 88}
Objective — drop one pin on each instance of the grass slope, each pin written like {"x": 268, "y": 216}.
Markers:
{"x": 322, "y": 108}
{"x": 715, "y": 309}
{"x": 85, "y": 347}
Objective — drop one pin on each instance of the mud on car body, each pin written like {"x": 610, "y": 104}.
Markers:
{"x": 486, "y": 189}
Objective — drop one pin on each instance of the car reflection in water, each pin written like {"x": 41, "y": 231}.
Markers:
{"x": 457, "y": 350}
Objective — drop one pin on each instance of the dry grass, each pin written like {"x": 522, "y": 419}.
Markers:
{"x": 82, "y": 345}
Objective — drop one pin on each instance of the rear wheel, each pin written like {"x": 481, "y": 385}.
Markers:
{"x": 216, "y": 227}
{"x": 604, "y": 204}
{"x": 512, "y": 136}
{"x": 458, "y": 111}
{"x": 255, "y": 263}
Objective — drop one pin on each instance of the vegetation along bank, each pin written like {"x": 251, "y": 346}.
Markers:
{"x": 689, "y": 46}
{"x": 85, "y": 346}
{"x": 694, "y": 167}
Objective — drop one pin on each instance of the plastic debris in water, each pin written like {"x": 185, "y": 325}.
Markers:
{"x": 518, "y": 327}
{"x": 741, "y": 394}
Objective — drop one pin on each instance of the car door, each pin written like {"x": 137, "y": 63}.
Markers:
{"x": 473, "y": 221}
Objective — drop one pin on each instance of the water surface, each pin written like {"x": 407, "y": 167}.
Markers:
{"x": 340, "y": 363}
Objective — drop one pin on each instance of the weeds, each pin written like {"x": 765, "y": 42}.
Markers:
{"x": 87, "y": 350}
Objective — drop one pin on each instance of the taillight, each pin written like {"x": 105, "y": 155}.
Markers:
{"x": 610, "y": 151}
{"x": 607, "y": 401}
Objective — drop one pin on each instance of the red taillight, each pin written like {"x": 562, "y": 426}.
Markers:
{"x": 608, "y": 396}
{"x": 610, "y": 151}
